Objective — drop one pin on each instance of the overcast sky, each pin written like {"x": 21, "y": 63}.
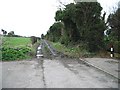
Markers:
{"x": 34, "y": 17}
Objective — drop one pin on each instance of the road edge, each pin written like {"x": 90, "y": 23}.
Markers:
{"x": 99, "y": 68}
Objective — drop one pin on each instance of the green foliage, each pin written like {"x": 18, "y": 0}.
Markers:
{"x": 76, "y": 51}
{"x": 11, "y": 34}
{"x": 15, "y": 53}
{"x": 65, "y": 40}
{"x": 114, "y": 22}
{"x": 59, "y": 15}
{"x": 55, "y": 32}
{"x": 83, "y": 22}
{"x": 114, "y": 32}
{"x": 117, "y": 46}
{"x": 33, "y": 39}
{"x": 16, "y": 48}
{"x": 67, "y": 17}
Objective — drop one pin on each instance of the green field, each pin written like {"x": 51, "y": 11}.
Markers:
{"x": 17, "y": 48}
{"x": 16, "y": 41}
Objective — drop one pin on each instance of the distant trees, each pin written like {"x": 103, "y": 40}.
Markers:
{"x": 82, "y": 23}
{"x": 42, "y": 36}
{"x": 4, "y": 32}
{"x": 11, "y": 34}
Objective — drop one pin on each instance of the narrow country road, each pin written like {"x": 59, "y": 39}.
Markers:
{"x": 54, "y": 72}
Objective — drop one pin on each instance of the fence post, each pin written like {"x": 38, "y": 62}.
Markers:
{"x": 112, "y": 51}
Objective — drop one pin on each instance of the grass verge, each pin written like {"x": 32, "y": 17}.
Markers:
{"x": 80, "y": 52}
{"x": 75, "y": 51}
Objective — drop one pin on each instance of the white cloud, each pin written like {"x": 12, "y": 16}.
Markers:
{"x": 108, "y": 5}
{"x": 27, "y": 17}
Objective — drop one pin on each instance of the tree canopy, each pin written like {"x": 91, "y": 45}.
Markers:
{"x": 82, "y": 23}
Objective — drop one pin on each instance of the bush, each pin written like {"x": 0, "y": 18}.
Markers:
{"x": 117, "y": 46}
{"x": 33, "y": 39}
{"x": 15, "y": 53}
{"x": 64, "y": 40}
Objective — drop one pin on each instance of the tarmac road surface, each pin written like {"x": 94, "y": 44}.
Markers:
{"x": 38, "y": 73}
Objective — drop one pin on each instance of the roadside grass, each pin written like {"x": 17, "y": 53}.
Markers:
{"x": 75, "y": 51}
{"x": 117, "y": 55}
{"x": 18, "y": 48}
{"x": 80, "y": 52}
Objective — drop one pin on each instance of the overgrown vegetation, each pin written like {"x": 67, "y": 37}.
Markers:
{"x": 15, "y": 53}
{"x": 79, "y": 23}
{"x": 114, "y": 32}
{"x": 54, "y": 34}
{"x": 83, "y": 25}
{"x": 78, "y": 51}
{"x": 34, "y": 39}
{"x": 17, "y": 48}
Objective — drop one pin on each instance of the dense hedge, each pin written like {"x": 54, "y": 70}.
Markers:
{"x": 15, "y": 53}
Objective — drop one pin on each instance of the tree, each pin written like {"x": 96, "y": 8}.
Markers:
{"x": 33, "y": 39}
{"x": 114, "y": 34}
{"x": 70, "y": 31}
{"x": 4, "y": 32}
{"x": 115, "y": 24}
{"x": 83, "y": 22}
{"x": 42, "y": 36}
{"x": 55, "y": 31}
{"x": 11, "y": 34}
